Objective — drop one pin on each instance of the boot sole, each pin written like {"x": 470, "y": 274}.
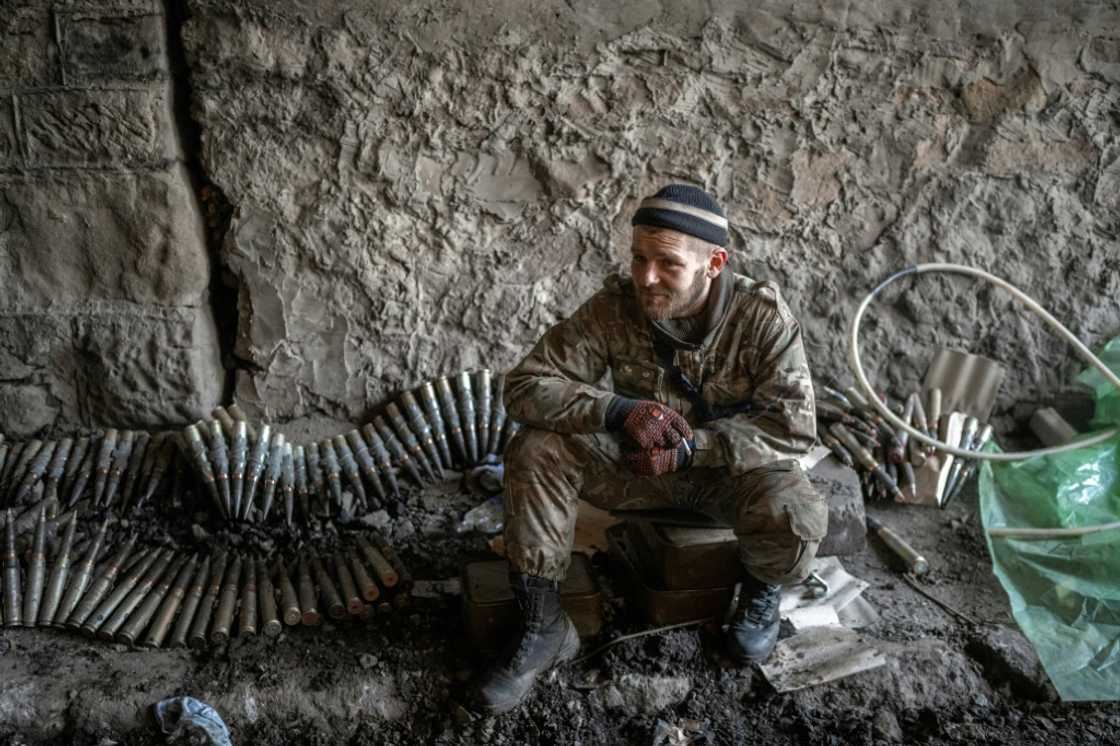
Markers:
{"x": 567, "y": 652}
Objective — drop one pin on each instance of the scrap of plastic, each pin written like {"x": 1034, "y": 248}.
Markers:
{"x": 179, "y": 716}
{"x": 1065, "y": 593}
{"x": 487, "y": 517}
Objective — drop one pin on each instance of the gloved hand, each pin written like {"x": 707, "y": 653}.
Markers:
{"x": 648, "y": 423}
{"x": 654, "y": 462}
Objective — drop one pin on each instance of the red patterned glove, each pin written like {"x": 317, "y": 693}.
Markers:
{"x": 654, "y": 462}
{"x": 648, "y": 423}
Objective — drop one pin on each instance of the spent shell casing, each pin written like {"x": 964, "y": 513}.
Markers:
{"x": 484, "y": 399}
{"x": 80, "y": 578}
{"x": 464, "y": 397}
{"x": 152, "y": 599}
{"x": 191, "y": 602}
{"x": 346, "y": 585}
{"x": 365, "y": 461}
{"x": 328, "y": 592}
{"x": 866, "y": 459}
{"x": 225, "y": 420}
{"x": 386, "y": 573}
{"x": 316, "y": 482}
{"x": 308, "y": 601}
{"x": 135, "y": 467}
{"x": 272, "y": 473}
{"x": 299, "y": 459}
{"x": 104, "y": 463}
{"x": 35, "y": 471}
{"x": 196, "y": 450}
{"x": 197, "y": 638}
{"x": 238, "y": 415}
{"x": 238, "y": 461}
{"x": 396, "y": 450}
{"x": 219, "y": 462}
{"x": 247, "y": 615}
{"x": 497, "y": 415}
{"x": 452, "y": 419}
{"x": 113, "y": 599}
{"x": 289, "y": 601}
{"x": 269, "y": 622}
{"x": 13, "y": 596}
{"x": 829, "y": 440}
{"x": 430, "y": 403}
{"x": 380, "y": 456}
{"x": 366, "y": 585}
{"x": 331, "y": 470}
{"x": 60, "y": 571}
{"x": 227, "y": 601}
{"x": 408, "y": 439}
{"x": 36, "y": 572}
{"x": 171, "y": 601}
{"x": 421, "y": 429}
{"x": 914, "y": 561}
{"x": 254, "y": 469}
{"x": 349, "y": 465}
{"x": 121, "y": 455}
{"x": 404, "y": 577}
{"x": 288, "y": 483}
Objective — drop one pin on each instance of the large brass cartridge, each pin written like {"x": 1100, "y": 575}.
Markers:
{"x": 435, "y": 418}
{"x": 135, "y": 467}
{"x": 452, "y": 419}
{"x": 289, "y": 601}
{"x": 464, "y": 397}
{"x": 306, "y": 589}
{"x": 59, "y": 573}
{"x": 365, "y": 461}
{"x": 328, "y": 460}
{"x": 866, "y": 460}
{"x": 288, "y": 483}
{"x": 80, "y": 579}
{"x": 13, "y": 596}
{"x": 915, "y": 562}
{"x": 82, "y": 476}
{"x": 316, "y": 482}
{"x": 113, "y": 599}
{"x": 137, "y": 620}
{"x": 386, "y": 573}
{"x": 35, "y": 471}
{"x": 73, "y": 461}
{"x": 408, "y": 439}
{"x": 366, "y": 586}
{"x": 404, "y": 577}
{"x": 238, "y": 459}
{"x": 484, "y": 398}
{"x": 838, "y": 450}
{"x": 219, "y": 461}
{"x": 346, "y": 585}
{"x": 396, "y": 450}
{"x": 227, "y": 600}
{"x": 978, "y": 444}
{"x": 967, "y": 442}
{"x": 237, "y": 414}
{"x": 349, "y": 466}
{"x": 247, "y": 617}
{"x": 420, "y": 427}
{"x": 266, "y": 602}
{"x": 497, "y": 415}
{"x": 225, "y": 421}
{"x": 201, "y": 623}
{"x": 934, "y": 411}
{"x": 328, "y": 592}
{"x": 272, "y": 472}
{"x": 380, "y": 456}
{"x": 254, "y": 469}
{"x": 196, "y": 449}
{"x": 27, "y": 455}
{"x": 191, "y": 602}
{"x": 121, "y": 455}
{"x": 104, "y": 463}
{"x": 161, "y": 463}
{"x": 172, "y": 600}
{"x": 36, "y": 572}
{"x": 299, "y": 460}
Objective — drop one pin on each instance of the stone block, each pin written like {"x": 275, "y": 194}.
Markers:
{"x": 26, "y": 51}
{"x": 98, "y": 127}
{"x": 99, "y": 48}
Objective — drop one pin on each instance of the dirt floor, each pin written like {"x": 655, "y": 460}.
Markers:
{"x": 401, "y": 678}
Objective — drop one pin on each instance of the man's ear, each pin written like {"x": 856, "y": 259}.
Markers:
{"x": 717, "y": 261}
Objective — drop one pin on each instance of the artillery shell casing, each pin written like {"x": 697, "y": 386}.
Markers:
{"x": 254, "y": 468}
{"x": 380, "y": 456}
{"x": 152, "y": 599}
{"x": 191, "y": 603}
{"x": 365, "y": 461}
{"x": 82, "y": 476}
{"x": 73, "y": 461}
{"x": 396, "y": 449}
{"x": 135, "y": 599}
{"x": 238, "y": 415}
{"x": 366, "y": 586}
{"x": 933, "y": 413}
{"x": 171, "y": 600}
{"x": 160, "y": 466}
{"x": 299, "y": 461}
{"x": 59, "y": 573}
{"x": 225, "y": 420}
{"x": 968, "y": 438}
{"x": 349, "y": 465}
{"x": 201, "y": 622}
{"x": 978, "y": 445}
{"x": 314, "y": 475}
{"x": 837, "y": 448}
{"x": 238, "y": 460}
{"x": 289, "y": 601}
{"x": 346, "y": 585}
{"x": 307, "y": 598}
{"x": 431, "y": 407}
{"x": 452, "y": 418}
{"x": 421, "y": 429}
{"x": 914, "y": 561}
{"x": 121, "y": 455}
{"x": 13, "y": 598}
{"x": 200, "y": 458}
{"x": 288, "y": 482}
{"x": 36, "y": 573}
{"x": 80, "y": 579}
{"x": 104, "y": 463}
{"x": 134, "y": 468}
{"x": 273, "y": 470}
{"x": 497, "y": 415}
{"x": 266, "y": 603}
{"x": 110, "y": 603}
{"x": 227, "y": 602}
{"x": 219, "y": 461}
{"x": 331, "y": 469}
{"x": 247, "y": 617}
{"x": 386, "y": 574}
{"x": 332, "y": 599}
{"x": 464, "y": 397}
{"x": 27, "y": 456}
{"x": 408, "y": 439}
{"x": 484, "y": 398}
{"x": 35, "y": 471}
{"x": 404, "y": 577}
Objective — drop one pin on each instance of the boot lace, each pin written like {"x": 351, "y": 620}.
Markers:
{"x": 758, "y": 607}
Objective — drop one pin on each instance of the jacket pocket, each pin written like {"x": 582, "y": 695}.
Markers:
{"x": 638, "y": 379}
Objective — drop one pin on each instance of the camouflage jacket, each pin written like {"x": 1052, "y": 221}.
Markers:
{"x": 753, "y": 355}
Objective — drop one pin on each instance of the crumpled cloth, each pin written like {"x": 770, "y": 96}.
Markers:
{"x": 187, "y": 716}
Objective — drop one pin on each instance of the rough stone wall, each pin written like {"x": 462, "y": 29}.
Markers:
{"x": 104, "y": 317}
{"x": 426, "y": 186}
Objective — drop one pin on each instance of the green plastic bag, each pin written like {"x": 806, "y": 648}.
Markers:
{"x": 1065, "y": 593}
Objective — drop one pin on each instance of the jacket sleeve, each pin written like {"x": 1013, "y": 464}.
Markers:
{"x": 555, "y": 386}
{"x": 782, "y": 423}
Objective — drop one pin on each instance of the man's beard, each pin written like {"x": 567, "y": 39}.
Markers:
{"x": 674, "y": 304}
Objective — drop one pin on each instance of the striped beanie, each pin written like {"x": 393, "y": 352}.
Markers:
{"x": 685, "y": 209}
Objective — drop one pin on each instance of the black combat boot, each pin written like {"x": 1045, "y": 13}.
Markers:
{"x": 753, "y": 631}
{"x": 547, "y": 637}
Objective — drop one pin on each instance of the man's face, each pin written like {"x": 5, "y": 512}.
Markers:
{"x": 671, "y": 275}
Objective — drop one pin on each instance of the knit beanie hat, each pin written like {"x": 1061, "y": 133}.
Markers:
{"x": 685, "y": 209}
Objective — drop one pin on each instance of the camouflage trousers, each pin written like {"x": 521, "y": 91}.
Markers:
{"x": 779, "y": 517}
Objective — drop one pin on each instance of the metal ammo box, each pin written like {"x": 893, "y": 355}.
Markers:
{"x": 490, "y": 612}
{"x": 685, "y": 557}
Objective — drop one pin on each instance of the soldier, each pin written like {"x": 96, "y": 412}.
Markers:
{"x": 711, "y": 405}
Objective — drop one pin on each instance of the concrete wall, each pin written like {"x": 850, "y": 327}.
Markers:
{"x": 420, "y": 187}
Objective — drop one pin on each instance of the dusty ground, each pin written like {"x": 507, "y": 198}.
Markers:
{"x": 399, "y": 679}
